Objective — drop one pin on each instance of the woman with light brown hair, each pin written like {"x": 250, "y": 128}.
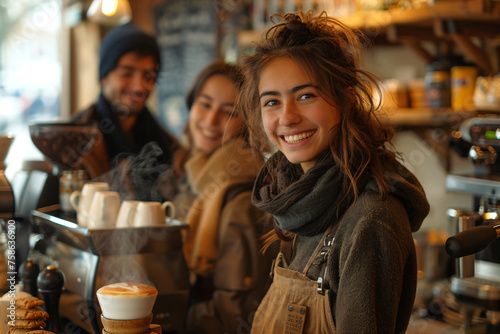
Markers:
{"x": 228, "y": 275}
{"x": 344, "y": 207}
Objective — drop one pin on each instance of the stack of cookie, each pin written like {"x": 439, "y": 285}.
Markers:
{"x": 28, "y": 331}
{"x": 30, "y": 318}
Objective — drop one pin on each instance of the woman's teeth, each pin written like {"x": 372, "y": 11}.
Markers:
{"x": 296, "y": 138}
{"x": 209, "y": 134}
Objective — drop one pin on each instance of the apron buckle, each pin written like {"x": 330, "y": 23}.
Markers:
{"x": 322, "y": 255}
{"x": 328, "y": 242}
{"x": 320, "y": 289}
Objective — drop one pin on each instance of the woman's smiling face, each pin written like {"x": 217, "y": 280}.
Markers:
{"x": 212, "y": 121}
{"x": 296, "y": 119}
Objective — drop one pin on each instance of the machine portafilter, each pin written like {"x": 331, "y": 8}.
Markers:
{"x": 472, "y": 240}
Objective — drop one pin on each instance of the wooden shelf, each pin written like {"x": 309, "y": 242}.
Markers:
{"x": 467, "y": 10}
{"x": 455, "y": 21}
{"x": 411, "y": 118}
{"x": 379, "y": 20}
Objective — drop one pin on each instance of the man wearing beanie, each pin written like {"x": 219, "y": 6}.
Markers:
{"x": 130, "y": 136}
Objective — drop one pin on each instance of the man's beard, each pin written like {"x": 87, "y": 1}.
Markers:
{"x": 123, "y": 111}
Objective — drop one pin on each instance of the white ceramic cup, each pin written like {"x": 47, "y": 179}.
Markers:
{"x": 126, "y": 301}
{"x": 81, "y": 200}
{"x": 153, "y": 213}
{"x": 126, "y": 214}
{"x": 104, "y": 209}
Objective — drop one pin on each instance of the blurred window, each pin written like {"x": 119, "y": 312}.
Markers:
{"x": 30, "y": 71}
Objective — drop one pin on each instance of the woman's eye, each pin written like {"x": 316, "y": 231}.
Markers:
{"x": 270, "y": 103}
{"x": 204, "y": 105}
{"x": 228, "y": 112}
{"x": 305, "y": 96}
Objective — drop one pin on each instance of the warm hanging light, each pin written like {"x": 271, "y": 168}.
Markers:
{"x": 110, "y": 12}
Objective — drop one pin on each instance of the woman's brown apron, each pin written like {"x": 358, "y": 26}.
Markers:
{"x": 295, "y": 303}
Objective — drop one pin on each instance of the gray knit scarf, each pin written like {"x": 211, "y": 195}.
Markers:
{"x": 304, "y": 204}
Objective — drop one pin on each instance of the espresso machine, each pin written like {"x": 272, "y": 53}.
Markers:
{"x": 476, "y": 284}
{"x": 92, "y": 258}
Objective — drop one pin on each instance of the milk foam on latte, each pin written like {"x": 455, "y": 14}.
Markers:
{"x": 126, "y": 301}
{"x": 128, "y": 290}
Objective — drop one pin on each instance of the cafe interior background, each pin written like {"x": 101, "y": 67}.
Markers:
{"x": 49, "y": 59}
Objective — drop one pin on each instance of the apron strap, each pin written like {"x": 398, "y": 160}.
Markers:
{"x": 322, "y": 249}
{"x": 320, "y": 254}
{"x": 320, "y": 257}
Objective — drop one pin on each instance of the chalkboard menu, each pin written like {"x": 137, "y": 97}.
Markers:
{"x": 186, "y": 31}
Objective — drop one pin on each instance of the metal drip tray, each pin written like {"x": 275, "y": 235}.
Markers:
{"x": 477, "y": 291}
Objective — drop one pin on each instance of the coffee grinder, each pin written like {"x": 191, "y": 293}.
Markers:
{"x": 476, "y": 284}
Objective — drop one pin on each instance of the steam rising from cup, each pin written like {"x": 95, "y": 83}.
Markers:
{"x": 137, "y": 177}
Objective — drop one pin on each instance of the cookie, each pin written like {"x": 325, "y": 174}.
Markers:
{"x": 28, "y": 331}
{"x": 29, "y": 302}
{"x": 19, "y": 331}
{"x": 30, "y": 314}
{"x": 28, "y": 324}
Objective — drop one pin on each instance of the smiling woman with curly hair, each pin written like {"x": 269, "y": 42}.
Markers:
{"x": 344, "y": 207}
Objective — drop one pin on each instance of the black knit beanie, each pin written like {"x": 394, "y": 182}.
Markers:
{"x": 124, "y": 39}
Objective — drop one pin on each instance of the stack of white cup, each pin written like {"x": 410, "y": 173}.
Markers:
{"x": 98, "y": 207}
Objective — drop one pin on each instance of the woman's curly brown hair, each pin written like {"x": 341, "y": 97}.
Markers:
{"x": 329, "y": 53}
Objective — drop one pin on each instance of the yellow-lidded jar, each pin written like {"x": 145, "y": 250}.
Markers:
{"x": 463, "y": 83}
